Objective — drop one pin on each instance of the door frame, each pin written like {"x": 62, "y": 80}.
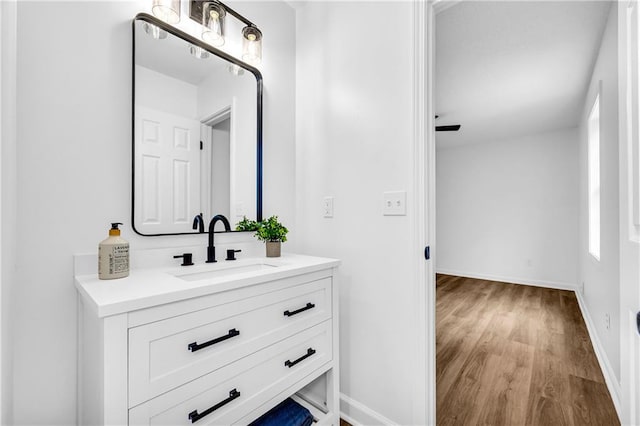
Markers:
{"x": 629, "y": 164}
{"x": 424, "y": 389}
{"x": 8, "y": 199}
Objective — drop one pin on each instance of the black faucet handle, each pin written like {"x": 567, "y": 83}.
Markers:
{"x": 187, "y": 259}
{"x": 231, "y": 254}
{"x": 198, "y": 223}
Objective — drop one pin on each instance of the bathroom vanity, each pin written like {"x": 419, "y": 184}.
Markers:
{"x": 212, "y": 344}
{"x": 216, "y": 343}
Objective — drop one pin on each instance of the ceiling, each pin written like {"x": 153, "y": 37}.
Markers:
{"x": 511, "y": 68}
{"x": 171, "y": 56}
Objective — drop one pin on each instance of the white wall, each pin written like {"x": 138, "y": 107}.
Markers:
{"x": 276, "y": 20}
{"x": 508, "y": 210}
{"x": 354, "y": 141}
{"x": 601, "y": 278}
{"x": 164, "y": 93}
{"x": 7, "y": 202}
{"x": 74, "y": 166}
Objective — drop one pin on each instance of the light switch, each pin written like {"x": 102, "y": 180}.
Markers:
{"x": 327, "y": 206}
{"x": 395, "y": 203}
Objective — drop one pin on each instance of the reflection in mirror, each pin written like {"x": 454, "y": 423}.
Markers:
{"x": 195, "y": 133}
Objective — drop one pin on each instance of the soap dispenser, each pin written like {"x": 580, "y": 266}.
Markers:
{"x": 113, "y": 255}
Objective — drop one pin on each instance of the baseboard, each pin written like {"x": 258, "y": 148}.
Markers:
{"x": 511, "y": 280}
{"x": 603, "y": 359}
{"x": 359, "y": 414}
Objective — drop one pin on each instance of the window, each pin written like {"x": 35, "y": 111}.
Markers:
{"x": 593, "y": 154}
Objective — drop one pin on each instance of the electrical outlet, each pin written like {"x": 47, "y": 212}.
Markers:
{"x": 395, "y": 203}
{"x": 327, "y": 206}
{"x": 607, "y": 321}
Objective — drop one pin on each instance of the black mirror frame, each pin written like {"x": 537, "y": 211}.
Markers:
{"x": 190, "y": 39}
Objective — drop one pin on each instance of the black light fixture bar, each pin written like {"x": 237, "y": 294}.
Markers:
{"x": 195, "y": 12}
{"x": 452, "y": 128}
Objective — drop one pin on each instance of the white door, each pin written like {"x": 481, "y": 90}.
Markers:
{"x": 167, "y": 172}
{"x": 629, "y": 90}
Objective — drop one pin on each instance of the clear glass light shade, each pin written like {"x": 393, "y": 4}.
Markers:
{"x": 213, "y": 15}
{"x": 167, "y": 10}
{"x": 198, "y": 52}
{"x": 251, "y": 45}
{"x": 154, "y": 31}
{"x": 235, "y": 70}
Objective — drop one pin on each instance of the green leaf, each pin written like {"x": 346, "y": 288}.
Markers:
{"x": 271, "y": 230}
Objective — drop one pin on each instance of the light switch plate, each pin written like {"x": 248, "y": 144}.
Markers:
{"x": 395, "y": 203}
{"x": 327, "y": 206}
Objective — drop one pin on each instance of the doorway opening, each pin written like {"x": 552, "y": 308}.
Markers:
{"x": 516, "y": 77}
{"x": 216, "y": 163}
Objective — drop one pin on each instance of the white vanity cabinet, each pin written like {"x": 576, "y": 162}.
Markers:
{"x": 157, "y": 349}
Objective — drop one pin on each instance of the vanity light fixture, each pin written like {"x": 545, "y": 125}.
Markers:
{"x": 211, "y": 15}
{"x": 167, "y": 10}
{"x": 251, "y": 45}
{"x": 154, "y": 31}
{"x": 198, "y": 52}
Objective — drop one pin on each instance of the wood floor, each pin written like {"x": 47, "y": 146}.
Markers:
{"x": 511, "y": 354}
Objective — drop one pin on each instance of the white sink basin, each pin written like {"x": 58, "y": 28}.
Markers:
{"x": 224, "y": 271}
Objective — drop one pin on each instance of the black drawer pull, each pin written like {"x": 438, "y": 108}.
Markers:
{"x": 290, "y": 364}
{"x": 194, "y": 416}
{"x": 297, "y": 311}
{"x": 196, "y": 347}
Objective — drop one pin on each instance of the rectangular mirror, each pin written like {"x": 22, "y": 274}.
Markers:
{"x": 197, "y": 132}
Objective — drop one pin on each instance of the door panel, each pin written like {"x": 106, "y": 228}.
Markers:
{"x": 169, "y": 190}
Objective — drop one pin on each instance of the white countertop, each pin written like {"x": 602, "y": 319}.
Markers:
{"x": 148, "y": 287}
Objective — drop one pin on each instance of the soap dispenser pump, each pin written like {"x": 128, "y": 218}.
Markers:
{"x": 113, "y": 255}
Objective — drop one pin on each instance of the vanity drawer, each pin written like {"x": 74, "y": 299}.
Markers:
{"x": 166, "y": 354}
{"x": 230, "y": 393}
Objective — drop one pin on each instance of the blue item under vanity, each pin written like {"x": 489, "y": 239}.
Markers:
{"x": 287, "y": 413}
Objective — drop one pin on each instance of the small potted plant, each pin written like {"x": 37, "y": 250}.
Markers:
{"x": 247, "y": 225}
{"x": 271, "y": 231}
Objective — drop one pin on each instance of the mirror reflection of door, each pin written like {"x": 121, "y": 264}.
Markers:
{"x": 216, "y": 165}
{"x": 167, "y": 139}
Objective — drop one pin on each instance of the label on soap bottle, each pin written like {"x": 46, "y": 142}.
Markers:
{"x": 113, "y": 261}
{"x": 119, "y": 259}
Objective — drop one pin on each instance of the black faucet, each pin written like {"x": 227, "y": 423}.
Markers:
{"x": 211, "y": 250}
{"x": 198, "y": 223}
